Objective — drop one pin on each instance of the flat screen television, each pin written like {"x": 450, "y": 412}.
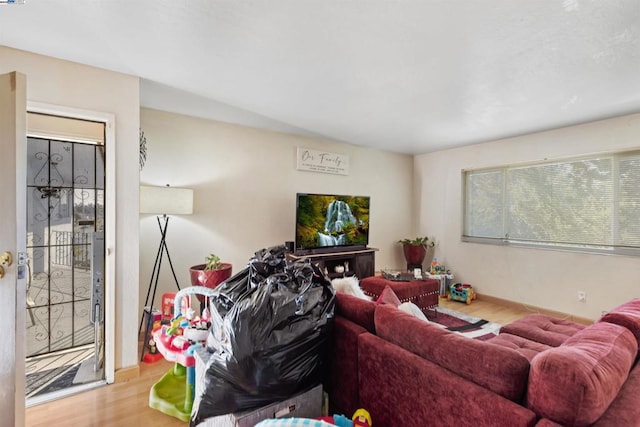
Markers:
{"x": 331, "y": 222}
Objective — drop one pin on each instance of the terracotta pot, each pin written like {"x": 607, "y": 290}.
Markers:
{"x": 209, "y": 278}
{"x": 415, "y": 255}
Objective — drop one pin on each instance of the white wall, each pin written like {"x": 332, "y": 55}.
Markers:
{"x": 68, "y": 84}
{"x": 543, "y": 278}
{"x": 245, "y": 183}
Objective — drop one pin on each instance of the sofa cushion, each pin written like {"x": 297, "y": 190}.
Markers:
{"x": 627, "y": 315}
{"x": 357, "y": 310}
{"x": 543, "y": 329}
{"x": 499, "y": 369}
{"x": 526, "y": 347}
{"x": 575, "y": 383}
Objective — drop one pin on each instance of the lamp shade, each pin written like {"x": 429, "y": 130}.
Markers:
{"x": 166, "y": 200}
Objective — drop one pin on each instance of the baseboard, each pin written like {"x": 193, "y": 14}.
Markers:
{"x": 534, "y": 309}
{"x": 126, "y": 374}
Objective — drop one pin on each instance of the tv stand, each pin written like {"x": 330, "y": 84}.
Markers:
{"x": 356, "y": 262}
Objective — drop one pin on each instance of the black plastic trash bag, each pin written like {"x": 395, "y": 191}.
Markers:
{"x": 269, "y": 334}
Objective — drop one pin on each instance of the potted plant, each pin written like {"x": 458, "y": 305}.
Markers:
{"x": 415, "y": 251}
{"x": 211, "y": 273}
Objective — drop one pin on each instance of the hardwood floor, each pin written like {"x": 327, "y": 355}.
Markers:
{"x": 502, "y": 311}
{"x": 127, "y": 403}
{"x": 488, "y": 310}
{"x": 120, "y": 404}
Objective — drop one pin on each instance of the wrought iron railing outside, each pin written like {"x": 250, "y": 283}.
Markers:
{"x": 81, "y": 255}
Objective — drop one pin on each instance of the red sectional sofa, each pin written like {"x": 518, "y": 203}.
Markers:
{"x": 539, "y": 371}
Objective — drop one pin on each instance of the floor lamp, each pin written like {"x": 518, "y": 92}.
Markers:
{"x": 162, "y": 201}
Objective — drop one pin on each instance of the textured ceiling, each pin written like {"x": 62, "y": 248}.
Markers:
{"x": 405, "y": 76}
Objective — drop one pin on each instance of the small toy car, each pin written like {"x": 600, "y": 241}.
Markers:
{"x": 461, "y": 292}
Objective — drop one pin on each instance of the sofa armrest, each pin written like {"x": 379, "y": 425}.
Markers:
{"x": 624, "y": 410}
{"x": 356, "y": 310}
{"x": 627, "y": 315}
{"x": 342, "y": 382}
{"x": 575, "y": 383}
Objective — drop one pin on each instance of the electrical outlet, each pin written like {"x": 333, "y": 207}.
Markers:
{"x": 582, "y": 296}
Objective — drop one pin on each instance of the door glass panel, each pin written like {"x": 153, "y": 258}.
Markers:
{"x": 61, "y": 326}
{"x": 84, "y": 216}
{"x": 60, "y": 220}
{"x": 38, "y": 301}
{"x": 37, "y": 162}
{"x": 60, "y": 274}
{"x": 38, "y": 284}
{"x": 82, "y": 256}
{"x": 60, "y": 172}
{"x": 38, "y": 218}
{"x": 83, "y": 331}
{"x": 81, "y": 273}
{"x": 84, "y": 166}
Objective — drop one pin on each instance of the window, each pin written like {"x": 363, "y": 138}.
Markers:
{"x": 588, "y": 204}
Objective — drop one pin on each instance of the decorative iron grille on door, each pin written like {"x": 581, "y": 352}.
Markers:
{"x": 65, "y": 205}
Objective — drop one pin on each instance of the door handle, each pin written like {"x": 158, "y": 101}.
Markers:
{"x": 6, "y": 259}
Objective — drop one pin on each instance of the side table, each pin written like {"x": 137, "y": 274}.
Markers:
{"x": 423, "y": 293}
{"x": 444, "y": 281}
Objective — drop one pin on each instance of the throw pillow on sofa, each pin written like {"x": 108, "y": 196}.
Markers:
{"x": 413, "y": 310}
{"x": 388, "y": 297}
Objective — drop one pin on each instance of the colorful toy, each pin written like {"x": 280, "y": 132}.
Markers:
{"x": 361, "y": 418}
{"x": 168, "y": 305}
{"x": 176, "y": 342}
{"x": 153, "y": 349}
{"x": 337, "y": 420}
{"x": 461, "y": 292}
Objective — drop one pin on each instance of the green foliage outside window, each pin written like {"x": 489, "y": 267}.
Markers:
{"x": 587, "y": 203}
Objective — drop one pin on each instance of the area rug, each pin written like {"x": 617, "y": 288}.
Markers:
{"x": 464, "y": 324}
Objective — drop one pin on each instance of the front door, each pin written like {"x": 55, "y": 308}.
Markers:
{"x": 65, "y": 212}
{"x": 65, "y": 215}
{"x": 13, "y": 117}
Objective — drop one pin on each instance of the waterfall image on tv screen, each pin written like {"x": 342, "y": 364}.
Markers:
{"x": 330, "y": 220}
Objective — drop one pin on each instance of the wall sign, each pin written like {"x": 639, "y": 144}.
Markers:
{"x": 322, "y": 161}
